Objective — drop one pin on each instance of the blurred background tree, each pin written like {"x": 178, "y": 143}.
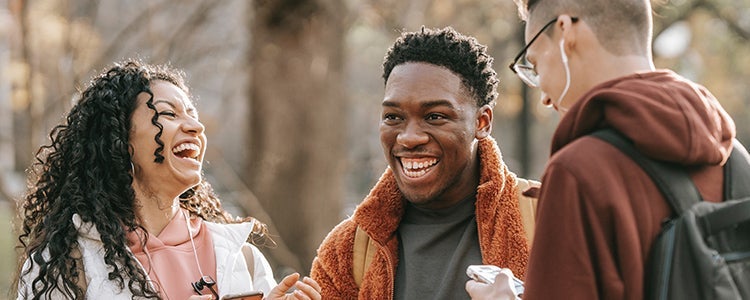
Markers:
{"x": 290, "y": 90}
{"x": 297, "y": 104}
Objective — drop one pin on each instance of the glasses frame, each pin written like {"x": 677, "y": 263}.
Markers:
{"x": 525, "y": 71}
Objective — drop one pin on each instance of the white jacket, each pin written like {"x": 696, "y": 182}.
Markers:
{"x": 231, "y": 268}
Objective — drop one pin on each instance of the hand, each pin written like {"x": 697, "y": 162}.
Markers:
{"x": 503, "y": 288}
{"x": 201, "y": 297}
{"x": 307, "y": 289}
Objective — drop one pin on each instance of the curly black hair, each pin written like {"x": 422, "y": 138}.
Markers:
{"x": 446, "y": 47}
{"x": 86, "y": 170}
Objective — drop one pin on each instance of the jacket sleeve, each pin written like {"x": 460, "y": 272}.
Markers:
{"x": 598, "y": 215}
{"x": 561, "y": 260}
{"x": 332, "y": 268}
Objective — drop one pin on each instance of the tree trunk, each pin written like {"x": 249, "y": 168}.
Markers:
{"x": 24, "y": 133}
{"x": 297, "y": 112}
{"x": 7, "y": 148}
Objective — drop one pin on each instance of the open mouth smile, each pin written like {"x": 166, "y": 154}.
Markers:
{"x": 417, "y": 167}
{"x": 187, "y": 150}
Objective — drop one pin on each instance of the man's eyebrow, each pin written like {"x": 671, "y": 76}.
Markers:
{"x": 439, "y": 102}
{"x": 388, "y": 103}
{"x": 428, "y": 104}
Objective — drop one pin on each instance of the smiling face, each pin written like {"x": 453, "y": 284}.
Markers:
{"x": 429, "y": 130}
{"x": 183, "y": 137}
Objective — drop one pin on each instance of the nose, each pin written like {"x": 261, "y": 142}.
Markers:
{"x": 193, "y": 125}
{"x": 412, "y": 136}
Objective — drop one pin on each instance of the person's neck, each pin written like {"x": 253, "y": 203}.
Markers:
{"x": 613, "y": 67}
{"x": 156, "y": 211}
{"x": 444, "y": 205}
{"x": 630, "y": 64}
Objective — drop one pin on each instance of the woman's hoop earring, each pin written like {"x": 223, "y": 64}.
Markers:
{"x": 132, "y": 169}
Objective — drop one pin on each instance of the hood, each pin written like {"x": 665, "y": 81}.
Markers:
{"x": 173, "y": 234}
{"x": 665, "y": 115}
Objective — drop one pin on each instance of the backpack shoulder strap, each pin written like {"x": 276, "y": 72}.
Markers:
{"x": 736, "y": 186}
{"x": 364, "y": 250}
{"x": 737, "y": 173}
{"x": 671, "y": 179}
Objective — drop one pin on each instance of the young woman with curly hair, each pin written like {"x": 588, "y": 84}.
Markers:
{"x": 118, "y": 208}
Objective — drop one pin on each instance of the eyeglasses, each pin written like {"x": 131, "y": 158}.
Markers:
{"x": 526, "y": 70}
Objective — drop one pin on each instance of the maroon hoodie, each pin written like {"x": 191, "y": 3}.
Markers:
{"x": 598, "y": 212}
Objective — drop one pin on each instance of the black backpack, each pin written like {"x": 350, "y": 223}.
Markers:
{"x": 703, "y": 249}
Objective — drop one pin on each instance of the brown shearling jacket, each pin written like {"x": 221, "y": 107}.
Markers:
{"x": 502, "y": 236}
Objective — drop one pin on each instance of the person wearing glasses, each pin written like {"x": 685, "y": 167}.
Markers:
{"x": 599, "y": 212}
{"x": 447, "y": 199}
{"x": 118, "y": 207}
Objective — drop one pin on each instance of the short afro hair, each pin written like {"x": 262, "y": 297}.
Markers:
{"x": 447, "y": 48}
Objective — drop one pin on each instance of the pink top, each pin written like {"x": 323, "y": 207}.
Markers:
{"x": 169, "y": 260}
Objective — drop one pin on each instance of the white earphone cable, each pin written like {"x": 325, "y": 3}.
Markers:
{"x": 190, "y": 234}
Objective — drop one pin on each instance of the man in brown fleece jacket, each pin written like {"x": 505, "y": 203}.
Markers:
{"x": 447, "y": 200}
{"x": 599, "y": 212}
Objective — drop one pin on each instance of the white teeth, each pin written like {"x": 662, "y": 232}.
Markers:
{"x": 417, "y": 167}
{"x": 186, "y": 146}
{"x": 415, "y": 173}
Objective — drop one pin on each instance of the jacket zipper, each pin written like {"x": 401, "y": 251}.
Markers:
{"x": 389, "y": 270}
{"x": 391, "y": 276}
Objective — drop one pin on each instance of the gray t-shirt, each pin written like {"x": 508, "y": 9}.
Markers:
{"x": 435, "y": 247}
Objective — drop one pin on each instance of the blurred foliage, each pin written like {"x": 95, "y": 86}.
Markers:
{"x": 50, "y": 48}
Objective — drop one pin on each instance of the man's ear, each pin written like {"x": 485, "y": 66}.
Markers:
{"x": 569, "y": 32}
{"x": 484, "y": 121}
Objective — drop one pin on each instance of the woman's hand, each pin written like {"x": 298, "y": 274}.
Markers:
{"x": 201, "y": 297}
{"x": 502, "y": 288}
{"x": 307, "y": 289}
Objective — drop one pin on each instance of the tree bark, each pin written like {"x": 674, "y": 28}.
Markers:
{"x": 24, "y": 133}
{"x": 297, "y": 109}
